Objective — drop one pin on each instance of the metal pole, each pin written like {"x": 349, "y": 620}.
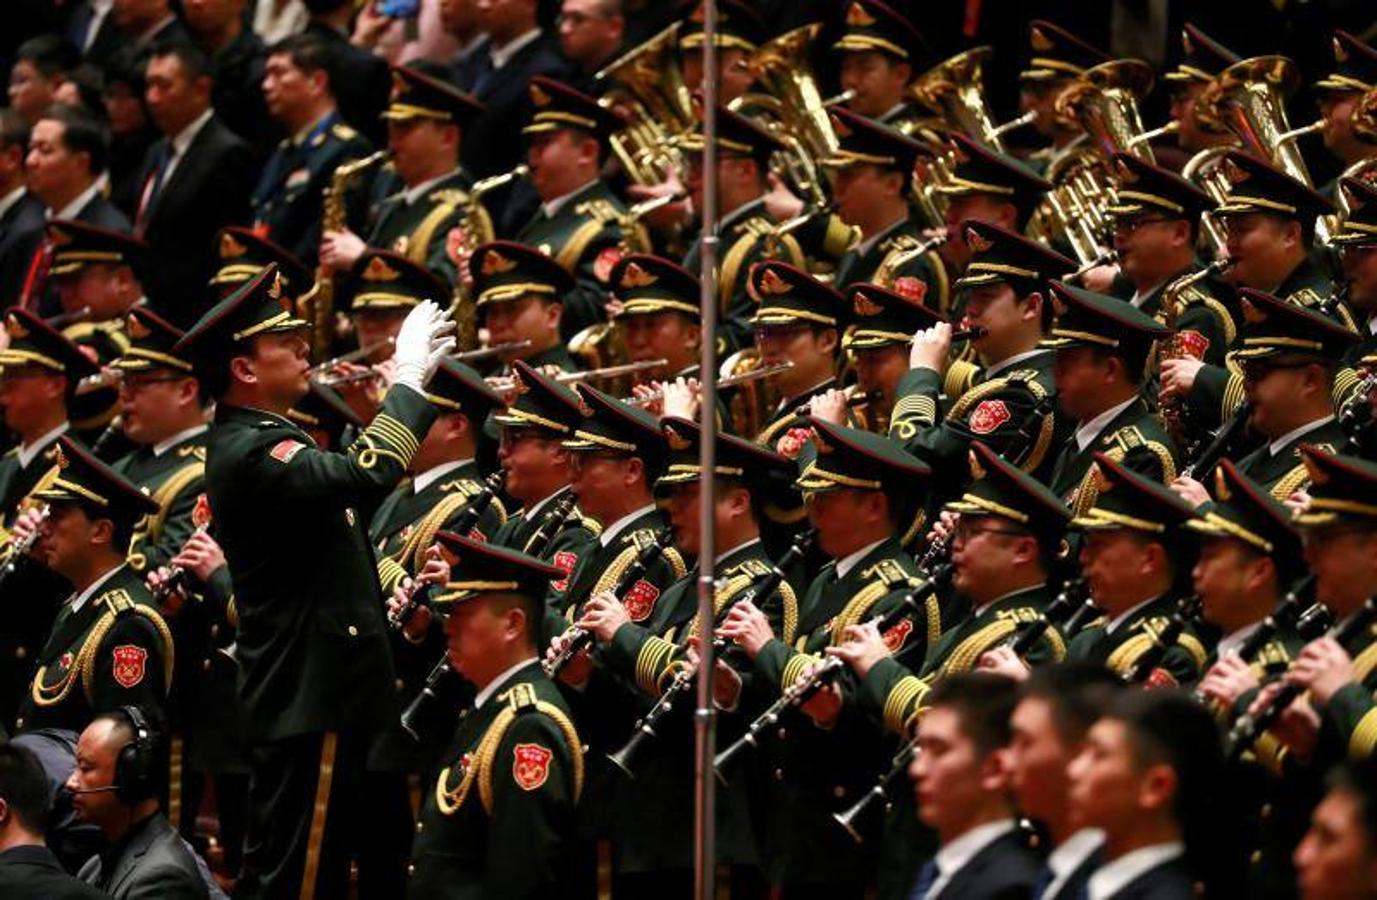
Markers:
{"x": 705, "y": 716}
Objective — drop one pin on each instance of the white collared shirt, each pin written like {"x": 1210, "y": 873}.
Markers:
{"x": 1140, "y": 296}
{"x": 953, "y": 855}
{"x": 29, "y": 452}
{"x": 1280, "y": 443}
{"x": 977, "y": 610}
{"x": 1087, "y": 432}
{"x": 1372, "y": 325}
{"x": 77, "y": 601}
{"x": 7, "y": 202}
{"x": 1113, "y": 624}
{"x": 1067, "y": 857}
{"x": 551, "y": 208}
{"x": 163, "y": 446}
{"x": 99, "y": 10}
{"x": 848, "y": 562}
{"x": 1113, "y": 877}
{"x": 534, "y": 509}
{"x": 147, "y": 37}
{"x": 500, "y": 56}
{"x": 435, "y": 473}
{"x": 739, "y": 547}
{"x": 412, "y": 194}
{"x": 491, "y": 687}
{"x": 617, "y": 527}
{"x": 182, "y": 141}
{"x": 869, "y": 243}
{"x": 1230, "y": 642}
{"x": 77, "y": 205}
{"x": 995, "y": 368}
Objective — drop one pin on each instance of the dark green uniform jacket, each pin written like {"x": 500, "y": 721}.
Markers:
{"x": 1133, "y": 437}
{"x": 922, "y": 279}
{"x": 1283, "y": 473}
{"x": 428, "y": 231}
{"x": 1119, "y": 650}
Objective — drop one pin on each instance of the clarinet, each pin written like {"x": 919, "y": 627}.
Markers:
{"x": 801, "y": 691}
{"x": 558, "y": 517}
{"x": 1314, "y": 622}
{"x": 1248, "y": 728}
{"x": 420, "y": 594}
{"x": 1224, "y": 435}
{"x": 579, "y": 639}
{"x": 1187, "y": 608}
{"x": 1285, "y": 616}
{"x": 683, "y": 678}
{"x": 19, "y": 550}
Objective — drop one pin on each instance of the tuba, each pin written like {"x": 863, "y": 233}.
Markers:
{"x": 648, "y": 83}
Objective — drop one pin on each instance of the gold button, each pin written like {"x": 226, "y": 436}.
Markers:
{"x": 839, "y": 792}
{"x": 420, "y": 826}
{"x": 779, "y": 774}
{"x": 399, "y": 684}
{"x": 1266, "y": 811}
{"x": 215, "y": 630}
{"x": 410, "y": 869}
{"x": 21, "y": 652}
{"x": 353, "y": 631}
{"x": 1256, "y": 858}
{"x": 782, "y": 734}
{"x": 205, "y": 665}
{"x": 18, "y": 724}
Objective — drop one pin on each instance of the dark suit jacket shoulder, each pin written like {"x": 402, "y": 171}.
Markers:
{"x": 21, "y": 231}
{"x": 33, "y": 873}
{"x": 1004, "y": 870}
{"x": 103, "y": 213}
{"x": 489, "y": 140}
{"x": 154, "y": 864}
{"x": 1169, "y": 881}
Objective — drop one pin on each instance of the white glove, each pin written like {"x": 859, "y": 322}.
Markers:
{"x": 425, "y": 340}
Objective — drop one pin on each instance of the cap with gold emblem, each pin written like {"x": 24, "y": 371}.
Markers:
{"x": 1000, "y": 489}
{"x": 241, "y": 253}
{"x": 1357, "y": 66}
{"x": 322, "y": 409}
{"x": 541, "y": 403}
{"x": 841, "y": 458}
{"x": 418, "y": 95}
{"x": 85, "y": 480}
{"x": 786, "y": 295}
{"x": 255, "y": 308}
{"x": 738, "y": 26}
{"x": 1359, "y": 227}
{"x": 998, "y": 254}
{"x": 383, "y": 280}
{"x": 1145, "y": 189}
{"x": 737, "y": 460}
{"x": 1274, "y": 327}
{"x": 652, "y": 284}
{"x": 737, "y": 135}
{"x": 78, "y": 244}
{"x": 1257, "y": 187}
{"x": 866, "y": 142}
{"x": 1057, "y": 53}
{"x": 883, "y": 318}
{"x": 35, "y": 343}
{"x": 872, "y": 25}
{"x": 609, "y": 425}
{"x": 1244, "y": 511}
{"x": 557, "y": 105}
{"x": 482, "y": 568}
{"x": 1342, "y": 488}
{"x": 506, "y": 270}
{"x": 980, "y": 170}
{"x": 1087, "y": 319}
{"x": 1202, "y": 57}
{"x": 457, "y": 388}
{"x": 1127, "y": 500}
{"x": 152, "y": 343}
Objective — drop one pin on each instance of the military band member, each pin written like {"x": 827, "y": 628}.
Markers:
{"x": 519, "y": 292}
{"x": 1058, "y": 57}
{"x": 859, "y": 489}
{"x": 424, "y": 220}
{"x": 499, "y": 821}
{"x": 1202, "y": 60}
{"x": 740, "y": 30}
{"x": 1133, "y": 556}
{"x": 580, "y": 222}
{"x": 985, "y": 186}
{"x": 655, "y": 304}
{"x": 1354, "y": 241}
{"x": 1338, "y": 95}
{"x": 1102, "y": 347}
{"x": 241, "y": 253}
{"x": 326, "y": 417}
{"x": 881, "y": 53}
{"x": 315, "y": 667}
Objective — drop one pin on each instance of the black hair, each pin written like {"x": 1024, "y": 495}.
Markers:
{"x": 1358, "y": 779}
{"x": 1078, "y": 693}
{"x": 308, "y": 53}
{"x": 530, "y": 603}
{"x": 194, "y": 61}
{"x": 984, "y": 702}
{"x": 89, "y": 82}
{"x": 1132, "y": 354}
{"x": 14, "y": 131}
{"x": 24, "y": 786}
{"x": 50, "y": 54}
{"x": 82, "y": 132}
{"x": 321, "y": 7}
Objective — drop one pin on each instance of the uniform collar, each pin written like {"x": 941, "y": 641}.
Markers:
{"x": 29, "y": 452}
{"x": 534, "y": 509}
{"x": 1114, "y": 624}
{"x": 995, "y": 368}
{"x": 617, "y": 527}
{"x": 1230, "y": 642}
{"x": 1086, "y": 433}
{"x": 500, "y": 682}
{"x": 551, "y": 208}
{"x": 739, "y": 548}
{"x": 79, "y": 600}
{"x": 739, "y": 213}
{"x": 1295, "y": 434}
{"x": 412, "y": 194}
{"x": 163, "y": 446}
{"x": 851, "y": 560}
{"x": 869, "y": 243}
{"x": 1112, "y": 877}
{"x": 435, "y": 473}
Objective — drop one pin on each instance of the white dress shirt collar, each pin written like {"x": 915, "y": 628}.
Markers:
{"x": 1086, "y": 433}
{"x": 79, "y": 600}
{"x": 1067, "y": 857}
{"x": 1113, "y": 624}
{"x": 1230, "y": 642}
{"x": 848, "y": 562}
{"x": 494, "y": 685}
{"x": 1113, "y": 877}
{"x": 617, "y": 527}
{"x": 29, "y": 452}
{"x": 435, "y": 473}
{"x": 534, "y": 509}
{"x": 995, "y": 368}
{"x": 502, "y": 55}
{"x": 737, "y": 549}
{"x": 71, "y": 210}
{"x": 412, "y": 194}
{"x": 1286, "y": 439}
{"x": 163, "y": 446}
{"x": 1139, "y": 297}
{"x": 7, "y": 202}
{"x": 955, "y": 854}
{"x": 869, "y": 243}
{"x": 551, "y": 208}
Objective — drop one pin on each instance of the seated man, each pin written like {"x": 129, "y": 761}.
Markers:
{"x": 27, "y": 867}
{"x": 1338, "y": 856}
{"x": 519, "y": 292}
{"x": 115, "y": 786}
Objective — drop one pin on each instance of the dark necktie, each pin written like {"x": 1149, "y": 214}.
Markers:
{"x": 927, "y": 877}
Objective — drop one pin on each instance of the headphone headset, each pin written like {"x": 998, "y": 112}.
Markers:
{"x": 134, "y": 781}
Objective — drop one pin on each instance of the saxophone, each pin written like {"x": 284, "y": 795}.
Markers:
{"x": 1172, "y": 414}
{"x": 317, "y": 306}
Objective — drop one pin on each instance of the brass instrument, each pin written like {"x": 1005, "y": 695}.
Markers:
{"x": 19, "y": 549}
{"x": 885, "y": 273}
{"x": 1204, "y": 171}
{"x": 722, "y": 383}
{"x": 1364, "y": 170}
{"x": 634, "y": 237}
{"x": 752, "y": 405}
{"x": 361, "y": 353}
{"x": 649, "y": 83}
{"x": 507, "y": 383}
{"x": 62, "y": 320}
{"x": 955, "y": 90}
{"x": 108, "y": 377}
{"x": 1172, "y": 415}
{"x": 1364, "y": 117}
{"x": 602, "y": 345}
{"x": 317, "y": 305}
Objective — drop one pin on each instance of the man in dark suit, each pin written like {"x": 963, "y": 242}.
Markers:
{"x": 93, "y": 31}
{"x": 962, "y": 786}
{"x": 363, "y": 80}
{"x": 115, "y": 787}
{"x": 21, "y": 213}
{"x": 237, "y": 57}
{"x": 196, "y": 179}
{"x": 28, "y": 869}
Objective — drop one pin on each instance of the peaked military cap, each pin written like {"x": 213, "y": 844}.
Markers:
{"x": 980, "y": 170}
{"x": 1129, "y": 500}
{"x": 1202, "y": 57}
{"x": 736, "y": 134}
{"x": 1000, "y": 489}
{"x": 482, "y": 568}
{"x": 383, "y": 280}
{"x": 33, "y": 342}
{"x": 323, "y": 409}
{"x": 1360, "y": 226}
{"x": 541, "y": 402}
{"x": 1357, "y": 66}
{"x": 78, "y": 244}
{"x": 85, "y": 480}
{"x": 241, "y": 253}
{"x": 1342, "y": 488}
{"x": 842, "y": 458}
{"x": 457, "y": 388}
{"x": 1087, "y": 319}
{"x": 786, "y": 295}
{"x": 648, "y": 284}
{"x": 506, "y": 270}
{"x": 1243, "y": 510}
{"x": 610, "y": 424}
{"x": 419, "y": 95}
{"x": 1057, "y": 53}
{"x": 998, "y": 254}
{"x": 884, "y": 318}
{"x": 1258, "y": 187}
{"x": 738, "y": 26}
{"x": 1145, "y": 188}
{"x": 866, "y": 142}
{"x": 872, "y": 25}
{"x": 152, "y": 343}
{"x": 1272, "y": 327}
{"x": 557, "y": 105}
{"x": 737, "y": 459}
{"x": 255, "y": 308}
